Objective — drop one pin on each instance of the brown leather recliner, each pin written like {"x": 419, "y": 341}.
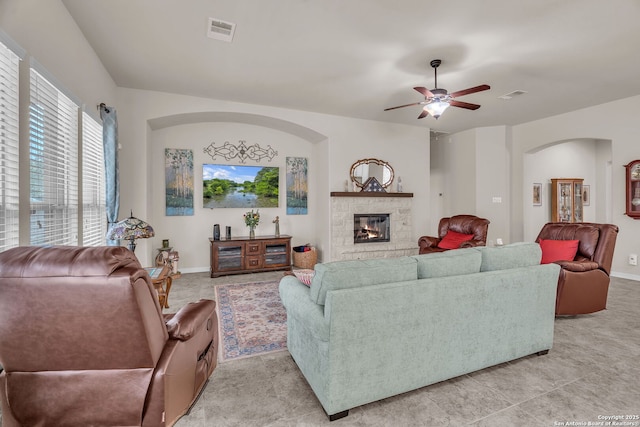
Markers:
{"x": 465, "y": 224}
{"x": 83, "y": 341}
{"x": 583, "y": 284}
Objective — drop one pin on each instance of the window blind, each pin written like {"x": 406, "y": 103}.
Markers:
{"x": 53, "y": 163}
{"x": 94, "y": 211}
{"x": 9, "y": 192}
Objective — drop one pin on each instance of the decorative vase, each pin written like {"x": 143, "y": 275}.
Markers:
{"x": 252, "y": 232}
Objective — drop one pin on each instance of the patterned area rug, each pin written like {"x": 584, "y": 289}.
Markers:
{"x": 251, "y": 318}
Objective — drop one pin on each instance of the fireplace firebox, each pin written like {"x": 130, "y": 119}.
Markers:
{"x": 369, "y": 228}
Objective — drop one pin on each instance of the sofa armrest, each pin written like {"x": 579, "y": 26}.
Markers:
{"x": 300, "y": 308}
{"x": 428, "y": 241}
{"x": 472, "y": 243}
{"x": 183, "y": 325}
{"x": 578, "y": 266}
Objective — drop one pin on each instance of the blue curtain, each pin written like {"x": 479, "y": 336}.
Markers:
{"x": 112, "y": 180}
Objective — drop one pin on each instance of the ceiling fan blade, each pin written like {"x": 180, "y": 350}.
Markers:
{"x": 402, "y": 106}
{"x": 426, "y": 92}
{"x": 470, "y": 90}
{"x": 423, "y": 114}
{"x": 466, "y": 105}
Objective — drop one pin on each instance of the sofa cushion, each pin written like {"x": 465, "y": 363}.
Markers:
{"x": 449, "y": 263}
{"x": 354, "y": 274}
{"x": 514, "y": 255}
{"x": 558, "y": 250}
{"x": 453, "y": 240}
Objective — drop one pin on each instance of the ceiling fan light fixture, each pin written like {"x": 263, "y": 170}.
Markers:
{"x": 436, "y": 108}
{"x": 436, "y": 100}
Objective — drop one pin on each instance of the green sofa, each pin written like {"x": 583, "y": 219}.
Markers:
{"x": 367, "y": 330}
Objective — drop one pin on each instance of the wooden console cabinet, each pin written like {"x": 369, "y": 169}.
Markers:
{"x": 245, "y": 255}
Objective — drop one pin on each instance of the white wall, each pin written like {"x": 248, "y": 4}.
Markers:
{"x": 569, "y": 159}
{"x": 613, "y": 121}
{"x": 460, "y": 183}
{"x": 47, "y": 33}
{"x": 471, "y": 171}
{"x": 492, "y": 181}
{"x": 189, "y": 234}
{"x": 146, "y": 120}
{"x": 333, "y": 143}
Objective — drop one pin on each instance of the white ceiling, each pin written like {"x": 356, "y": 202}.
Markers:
{"x": 356, "y": 57}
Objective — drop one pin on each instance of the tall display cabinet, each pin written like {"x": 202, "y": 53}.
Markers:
{"x": 633, "y": 189}
{"x": 566, "y": 200}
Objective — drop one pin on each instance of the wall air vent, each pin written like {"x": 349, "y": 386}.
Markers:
{"x": 510, "y": 95}
{"x": 221, "y": 30}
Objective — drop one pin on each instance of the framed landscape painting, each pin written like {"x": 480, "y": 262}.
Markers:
{"x": 240, "y": 186}
{"x": 178, "y": 170}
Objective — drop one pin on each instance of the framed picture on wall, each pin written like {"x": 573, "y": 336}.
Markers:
{"x": 178, "y": 170}
{"x": 586, "y": 195}
{"x": 537, "y": 194}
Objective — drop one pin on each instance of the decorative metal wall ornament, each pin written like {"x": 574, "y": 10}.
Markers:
{"x": 241, "y": 151}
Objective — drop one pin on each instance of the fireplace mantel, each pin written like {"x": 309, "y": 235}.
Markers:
{"x": 368, "y": 194}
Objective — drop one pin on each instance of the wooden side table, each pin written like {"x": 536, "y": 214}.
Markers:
{"x": 162, "y": 281}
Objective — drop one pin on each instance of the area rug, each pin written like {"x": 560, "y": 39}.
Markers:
{"x": 251, "y": 319}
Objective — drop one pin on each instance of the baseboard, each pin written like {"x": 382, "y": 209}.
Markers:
{"x": 626, "y": 276}
{"x": 194, "y": 270}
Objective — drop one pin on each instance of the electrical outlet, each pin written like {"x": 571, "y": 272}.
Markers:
{"x": 633, "y": 259}
{"x": 499, "y": 242}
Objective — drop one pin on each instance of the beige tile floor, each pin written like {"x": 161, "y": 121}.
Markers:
{"x": 592, "y": 371}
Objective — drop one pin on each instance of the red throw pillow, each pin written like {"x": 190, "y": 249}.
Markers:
{"x": 453, "y": 240}
{"x": 558, "y": 250}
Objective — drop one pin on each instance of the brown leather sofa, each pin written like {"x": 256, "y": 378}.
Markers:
{"x": 583, "y": 283}
{"x": 464, "y": 224}
{"x": 83, "y": 341}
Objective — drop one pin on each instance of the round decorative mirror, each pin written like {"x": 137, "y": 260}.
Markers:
{"x": 363, "y": 170}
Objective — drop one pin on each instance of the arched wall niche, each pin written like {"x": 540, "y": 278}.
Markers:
{"x": 189, "y": 235}
{"x": 587, "y": 158}
{"x": 235, "y": 117}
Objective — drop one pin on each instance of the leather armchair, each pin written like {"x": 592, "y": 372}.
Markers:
{"x": 465, "y": 224}
{"x": 583, "y": 283}
{"x": 83, "y": 341}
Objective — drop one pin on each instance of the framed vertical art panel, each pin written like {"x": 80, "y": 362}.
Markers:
{"x": 586, "y": 195}
{"x": 296, "y": 185}
{"x": 537, "y": 194}
{"x": 178, "y": 170}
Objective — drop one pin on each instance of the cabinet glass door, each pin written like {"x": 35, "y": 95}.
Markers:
{"x": 633, "y": 189}
{"x": 564, "y": 202}
{"x": 229, "y": 257}
{"x": 577, "y": 202}
{"x": 275, "y": 254}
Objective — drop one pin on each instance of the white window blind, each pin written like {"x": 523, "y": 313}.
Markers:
{"x": 94, "y": 211}
{"x": 9, "y": 63}
{"x": 53, "y": 162}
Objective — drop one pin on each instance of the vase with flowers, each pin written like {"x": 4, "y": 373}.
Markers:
{"x": 252, "y": 219}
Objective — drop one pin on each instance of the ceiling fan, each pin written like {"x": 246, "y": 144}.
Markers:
{"x": 437, "y": 100}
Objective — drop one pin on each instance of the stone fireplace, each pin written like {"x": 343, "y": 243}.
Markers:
{"x": 347, "y": 213}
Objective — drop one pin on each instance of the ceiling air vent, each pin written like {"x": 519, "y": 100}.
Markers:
{"x": 221, "y": 30}
{"x": 510, "y": 95}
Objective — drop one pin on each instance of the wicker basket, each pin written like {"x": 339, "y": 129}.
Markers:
{"x": 305, "y": 259}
